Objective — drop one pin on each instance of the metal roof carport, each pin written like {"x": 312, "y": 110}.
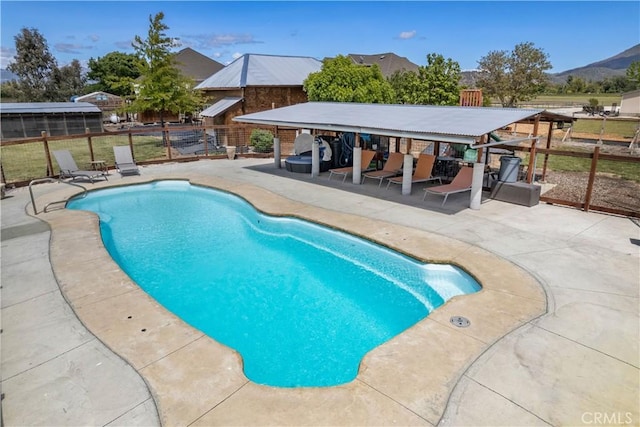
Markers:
{"x": 466, "y": 125}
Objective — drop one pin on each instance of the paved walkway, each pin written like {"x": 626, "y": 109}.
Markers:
{"x": 577, "y": 365}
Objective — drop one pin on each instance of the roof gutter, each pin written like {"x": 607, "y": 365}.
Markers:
{"x": 357, "y": 129}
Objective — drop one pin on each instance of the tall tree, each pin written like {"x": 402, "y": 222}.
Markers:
{"x": 162, "y": 86}
{"x": 437, "y": 83}
{"x": 35, "y": 67}
{"x": 341, "y": 80}
{"x": 514, "y": 76}
{"x": 114, "y": 73}
{"x": 633, "y": 74}
{"x": 68, "y": 81}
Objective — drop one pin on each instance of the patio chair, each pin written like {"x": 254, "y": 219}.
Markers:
{"x": 461, "y": 183}
{"x": 367, "y": 158}
{"x": 391, "y": 168}
{"x": 69, "y": 169}
{"x": 124, "y": 160}
{"x": 422, "y": 173}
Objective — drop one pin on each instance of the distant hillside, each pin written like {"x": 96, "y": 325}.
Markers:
{"x": 615, "y": 66}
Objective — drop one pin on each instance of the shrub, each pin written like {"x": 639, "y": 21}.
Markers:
{"x": 261, "y": 141}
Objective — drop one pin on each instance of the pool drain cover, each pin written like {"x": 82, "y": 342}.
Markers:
{"x": 460, "y": 322}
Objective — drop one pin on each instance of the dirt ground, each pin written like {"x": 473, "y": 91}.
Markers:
{"x": 608, "y": 190}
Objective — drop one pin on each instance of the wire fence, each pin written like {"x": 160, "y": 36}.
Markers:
{"x": 588, "y": 180}
{"x": 23, "y": 160}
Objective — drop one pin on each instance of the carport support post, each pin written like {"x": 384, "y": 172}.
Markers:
{"x": 315, "y": 158}
{"x": 476, "y": 186}
{"x": 407, "y": 174}
{"x": 357, "y": 160}
{"x": 276, "y": 152}
{"x": 357, "y": 164}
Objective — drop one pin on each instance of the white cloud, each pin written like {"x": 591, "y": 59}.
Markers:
{"x": 407, "y": 34}
{"x": 71, "y": 48}
{"x": 216, "y": 40}
{"x": 6, "y": 56}
{"x": 124, "y": 45}
{"x": 237, "y": 55}
{"x": 94, "y": 37}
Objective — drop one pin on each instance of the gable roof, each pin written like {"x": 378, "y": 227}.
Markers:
{"x": 428, "y": 122}
{"x": 263, "y": 70}
{"x": 91, "y": 95}
{"x": 196, "y": 65}
{"x": 389, "y": 62}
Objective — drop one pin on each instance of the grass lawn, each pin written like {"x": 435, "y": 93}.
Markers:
{"x": 603, "y": 98}
{"x": 622, "y": 128}
{"x": 625, "y": 170}
{"x": 26, "y": 161}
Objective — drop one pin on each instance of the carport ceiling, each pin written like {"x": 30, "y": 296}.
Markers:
{"x": 426, "y": 122}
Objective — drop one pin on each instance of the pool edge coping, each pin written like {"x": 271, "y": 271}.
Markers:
{"x": 517, "y": 299}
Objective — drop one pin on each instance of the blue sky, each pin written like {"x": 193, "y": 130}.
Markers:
{"x": 573, "y": 33}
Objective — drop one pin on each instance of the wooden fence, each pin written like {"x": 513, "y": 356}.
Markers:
{"x": 605, "y": 182}
{"x": 22, "y": 160}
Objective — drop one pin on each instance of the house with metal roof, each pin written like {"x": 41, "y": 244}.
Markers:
{"x": 256, "y": 82}
{"x": 30, "y": 119}
{"x": 389, "y": 63}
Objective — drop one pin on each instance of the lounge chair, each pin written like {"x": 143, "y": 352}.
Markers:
{"x": 423, "y": 171}
{"x": 391, "y": 168}
{"x": 367, "y": 158}
{"x": 69, "y": 169}
{"x": 124, "y": 160}
{"x": 461, "y": 183}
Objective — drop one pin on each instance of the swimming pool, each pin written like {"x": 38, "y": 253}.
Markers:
{"x": 301, "y": 303}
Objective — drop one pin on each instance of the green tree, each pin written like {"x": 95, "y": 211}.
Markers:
{"x": 35, "y": 67}
{"x": 114, "y": 73}
{"x": 633, "y": 74}
{"x": 69, "y": 80}
{"x": 162, "y": 86}
{"x": 341, "y": 80}
{"x": 514, "y": 76}
{"x": 616, "y": 84}
{"x": 437, "y": 83}
{"x": 405, "y": 84}
{"x": 575, "y": 84}
{"x": 9, "y": 91}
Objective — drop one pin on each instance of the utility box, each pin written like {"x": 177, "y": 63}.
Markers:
{"x": 509, "y": 167}
{"x": 519, "y": 193}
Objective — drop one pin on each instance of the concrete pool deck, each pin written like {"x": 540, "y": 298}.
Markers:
{"x": 573, "y": 365}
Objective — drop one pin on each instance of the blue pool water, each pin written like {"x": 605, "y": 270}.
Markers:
{"x": 300, "y": 302}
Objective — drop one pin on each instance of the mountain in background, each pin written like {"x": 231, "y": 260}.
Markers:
{"x": 615, "y": 66}
{"x": 597, "y": 71}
